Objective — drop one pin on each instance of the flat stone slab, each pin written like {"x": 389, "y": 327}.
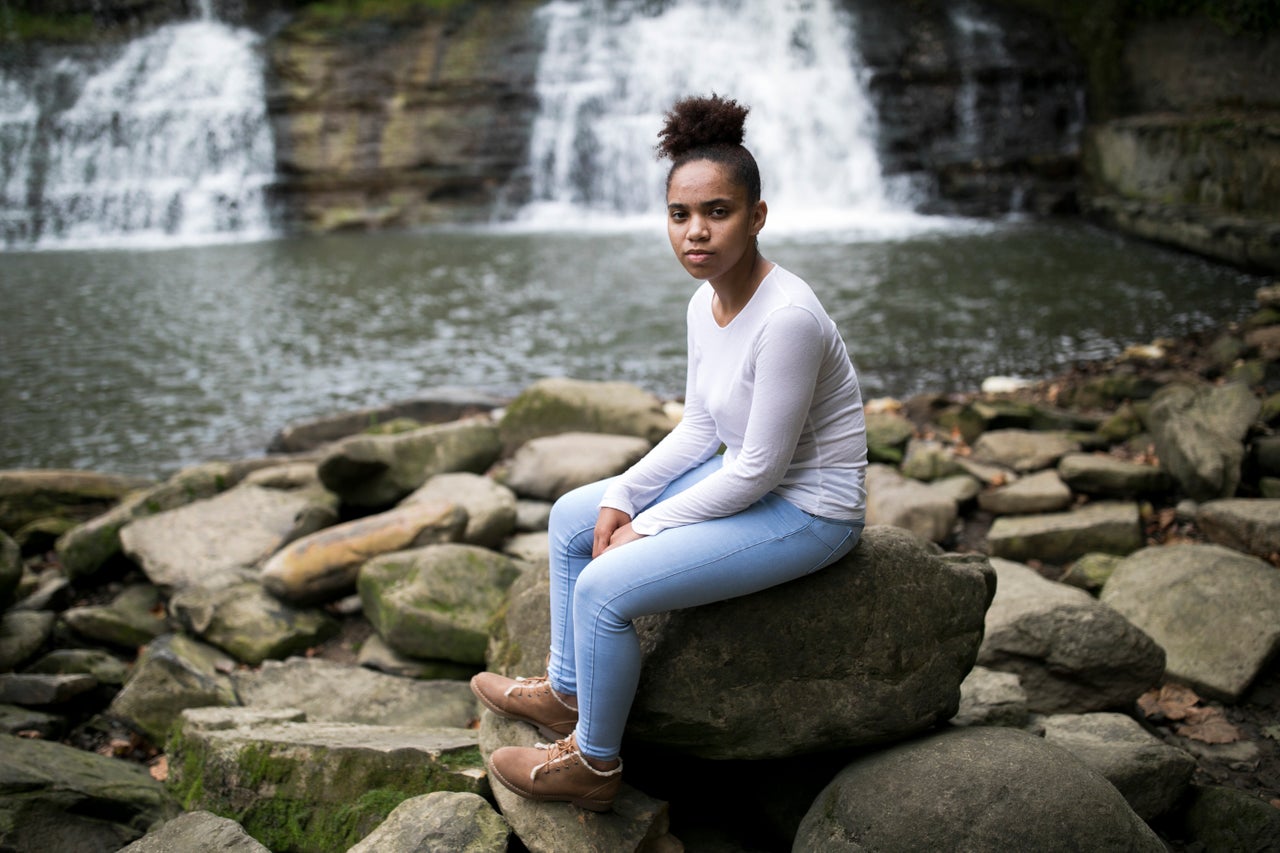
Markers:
{"x": 301, "y": 785}
{"x": 1108, "y": 527}
{"x": 1251, "y": 526}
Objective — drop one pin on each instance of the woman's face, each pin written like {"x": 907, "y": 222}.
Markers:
{"x": 709, "y": 220}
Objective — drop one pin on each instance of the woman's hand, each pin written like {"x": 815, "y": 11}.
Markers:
{"x": 613, "y": 528}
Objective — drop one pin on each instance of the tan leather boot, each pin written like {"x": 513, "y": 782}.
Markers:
{"x": 529, "y": 699}
{"x": 555, "y": 772}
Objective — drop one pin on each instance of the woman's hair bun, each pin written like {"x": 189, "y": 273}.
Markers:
{"x": 701, "y": 122}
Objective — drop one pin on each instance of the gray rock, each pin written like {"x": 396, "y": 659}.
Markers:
{"x": 332, "y": 692}
{"x": 557, "y": 405}
{"x": 379, "y": 470}
{"x": 16, "y": 720}
{"x": 637, "y": 821}
{"x": 888, "y": 634}
{"x": 1072, "y": 653}
{"x": 221, "y": 541}
{"x": 991, "y": 698}
{"x": 972, "y": 789}
{"x": 56, "y": 797}
{"x": 250, "y": 624}
{"x": 442, "y": 822}
{"x": 1198, "y": 435}
{"x": 103, "y": 666}
{"x": 1150, "y": 774}
{"x": 887, "y": 436}
{"x": 301, "y": 785}
{"x": 1091, "y": 571}
{"x": 29, "y": 495}
{"x": 173, "y": 673}
{"x": 1215, "y": 611}
{"x": 929, "y": 460}
{"x": 1023, "y": 450}
{"x": 1251, "y": 526}
{"x": 899, "y": 502}
{"x": 1042, "y": 491}
{"x": 437, "y": 601}
{"x": 85, "y": 548}
{"x": 1219, "y": 818}
{"x": 532, "y": 516}
{"x": 532, "y": 549}
{"x": 521, "y": 640}
{"x": 1061, "y": 537}
{"x": 197, "y": 832}
{"x": 324, "y": 565}
{"x": 27, "y": 689}
{"x": 444, "y": 405}
{"x": 961, "y": 488}
{"x": 133, "y": 618}
{"x": 1107, "y": 476}
{"x": 375, "y": 654}
{"x": 22, "y": 634}
{"x": 490, "y": 506}
{"x": 549, "y": 466}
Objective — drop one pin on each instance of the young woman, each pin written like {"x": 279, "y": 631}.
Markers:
{"x": 769, "y": 378}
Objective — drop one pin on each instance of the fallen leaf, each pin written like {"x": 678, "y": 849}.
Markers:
{"x": 1171, "y": 701}
{"x": 1213, "y": 728}
{"x": 159, "y": 769}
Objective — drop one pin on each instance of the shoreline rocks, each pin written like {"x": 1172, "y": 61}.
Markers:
{"x": 1086, "y": 548}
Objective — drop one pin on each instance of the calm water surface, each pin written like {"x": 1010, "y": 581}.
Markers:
{"x": 145, "y": 361}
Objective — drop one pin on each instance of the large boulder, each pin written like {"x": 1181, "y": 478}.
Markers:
{"x": 1023, "y": 450}
{"x": 312, "y": 786}
{"x": 379, "y": 470}
{"x": 437, "y": 601}
{"x": 1199, "y": 433}
{"x": 1042, "y": 491}
{"x": 324, "y": 565}
{"x": 870, "y": 649}
{"x": 221, "y": 541}
{"x": 1072, "y": 653}
{"x": 22, "y": 634}
{"x": 972, "y": 789}
{"x": 133, "y": 618}
{"x": 558, "y": 405}
{"x": 56, "y": 797}
{"x": 10, "y": 570}
{"x": 1215, "y": 611}
{"x": 1107, "y": 476}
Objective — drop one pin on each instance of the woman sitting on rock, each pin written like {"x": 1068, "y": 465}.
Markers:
{"x": 769, "y": 378}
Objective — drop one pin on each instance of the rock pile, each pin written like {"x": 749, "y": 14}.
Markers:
{"x": 1062, "y": 595}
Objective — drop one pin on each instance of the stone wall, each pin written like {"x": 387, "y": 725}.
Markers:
{"x": 399, "y": 122}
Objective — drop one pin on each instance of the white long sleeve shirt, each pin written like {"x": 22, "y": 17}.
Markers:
{"x": 776, "y": 387}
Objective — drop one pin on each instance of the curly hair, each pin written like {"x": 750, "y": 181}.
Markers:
{"x": 701, "y": 128}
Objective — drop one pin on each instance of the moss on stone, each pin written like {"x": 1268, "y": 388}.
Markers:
{"x": 34, "y": 26}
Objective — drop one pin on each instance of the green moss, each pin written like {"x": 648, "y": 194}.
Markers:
{"x": 326, "y": 13}
{"x": 31, "y": 26}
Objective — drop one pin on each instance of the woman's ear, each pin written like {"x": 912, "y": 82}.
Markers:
{"x": 758, "y": 216}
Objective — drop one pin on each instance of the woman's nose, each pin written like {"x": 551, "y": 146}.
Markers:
{"x": 698, "y": 228}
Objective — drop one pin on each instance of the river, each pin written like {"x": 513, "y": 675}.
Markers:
{"x": 143, "y": 361}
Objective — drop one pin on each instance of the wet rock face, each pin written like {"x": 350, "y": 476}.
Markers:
{"x": 984, "y": 103}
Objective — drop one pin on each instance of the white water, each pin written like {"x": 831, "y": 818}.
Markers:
{"x": 612, "y": 68}
{"x": 168, "y": 143}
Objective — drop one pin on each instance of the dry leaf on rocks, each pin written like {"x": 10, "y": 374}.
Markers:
{"x": 1176, "y": 702}
{"x": 159, "y": 769}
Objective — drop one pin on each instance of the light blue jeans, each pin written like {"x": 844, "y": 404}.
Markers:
{"x": 595, "y": 653}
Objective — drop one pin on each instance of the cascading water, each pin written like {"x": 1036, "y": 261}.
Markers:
{"x": 165, "y": 143}
{"x": 611, "y": 69}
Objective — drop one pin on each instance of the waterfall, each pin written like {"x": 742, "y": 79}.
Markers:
{"x": 611, "y": 69}
{"x": 166, "y": 142}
